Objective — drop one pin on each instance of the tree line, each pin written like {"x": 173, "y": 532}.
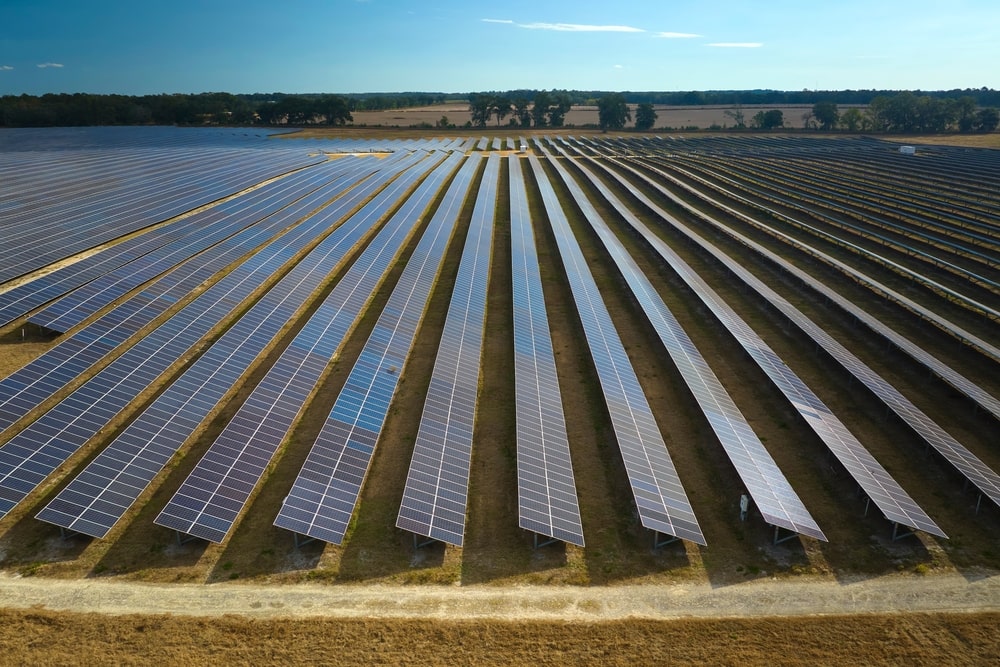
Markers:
{"x": 970, "y": 110}
{"x": 69, "y": 110}
{"x": 905, "y": 112}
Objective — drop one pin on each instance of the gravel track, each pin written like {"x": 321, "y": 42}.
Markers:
{"x": 764, "y": 597}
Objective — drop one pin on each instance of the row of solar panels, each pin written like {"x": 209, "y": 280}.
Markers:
{"x": 973, "y": 287}
{"x": 323, "y": 497}
{"x": 970, "y": 466}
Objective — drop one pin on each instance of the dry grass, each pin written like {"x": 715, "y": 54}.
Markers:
{"x": 58, "y": 638}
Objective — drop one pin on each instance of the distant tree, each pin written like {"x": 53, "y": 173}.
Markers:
{"x": 768, "y": 120}
{"x": 965, "y": 113}
{"x": 933, "y": 114}
{"x": 481, "y": 108}
{"x": 877, "y": 113}
{"x": 522, "y": 110}
{"x": 987, "y": 120}
{"x": 559, "y": 105}
{"x": 500, "y": 106}
{"x": 333, "y": 110}
{"x": 736, "y": 113}
{"x": 645, "y": 117}
{"x": 826, "y": 115}
{"x": 852, "y": 119}
{"x": 612, "y": 112}
{"x": 540, "y": 108}
{"x": 443, "y": 122}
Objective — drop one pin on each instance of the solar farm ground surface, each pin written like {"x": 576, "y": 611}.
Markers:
{"x": 496, "y": 551}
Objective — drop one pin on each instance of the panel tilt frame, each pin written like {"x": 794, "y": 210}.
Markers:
{"x": 659, "y": 544}
{"x": 183, "y": 538}
{"x": 543, "y": 540}
{"x": 421, "y": 541}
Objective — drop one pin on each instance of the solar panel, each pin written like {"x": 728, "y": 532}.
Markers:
{"x": 437, "y": 483}
{"x": 43, "y": 445}
{"x": 967, "y": 463}
{"x": 967, "y": 337}
{"x": 173, "y": 186}
{"x": 209, "y": 501}
{"x": 546, "y": 490}
{"x": 973, "y": 391}
{"x": 773, "y": 495}
{"x": 877, "y": 483}
{"x": 187, "y": 238}
{"x": 323, "y": 497}
{"x": 36, "y": 382}
{"x": 96, "y": 499}
{"x": 660, "y": 498}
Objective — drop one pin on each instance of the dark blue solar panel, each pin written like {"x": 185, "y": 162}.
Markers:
{"x": 133, "y": 201}
{"x": 546, "y": 489}
{"x": 771, "y": 492}
{"x": 185, "y": 239}
{"x": 147, "y": 444}
{"x": 323, "y": 497}
{"x": 969, "y": 465}
{"x": 877, "y": 483}
{"x": 196, "y": 183}
{"x": 48, "y": 441}
{"x": 437, "y": 483}
{"x": 210, "y": 500}
{"x": 28, "y": 387}
{"x": 661, "y": 501}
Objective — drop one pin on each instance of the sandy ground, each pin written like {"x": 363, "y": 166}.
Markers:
{"x": 763, "y": 597}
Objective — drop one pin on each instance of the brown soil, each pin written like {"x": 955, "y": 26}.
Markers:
{"x": 895, "y": 620}
{"x": 51, "y": 638}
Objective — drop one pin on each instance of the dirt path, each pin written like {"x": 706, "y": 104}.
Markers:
{"x": 933, "y": 593}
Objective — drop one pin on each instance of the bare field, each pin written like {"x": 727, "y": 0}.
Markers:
{"x": 968, "y": 140}
{"x": 677, "y": 117}
{"x": 46, "y": 638}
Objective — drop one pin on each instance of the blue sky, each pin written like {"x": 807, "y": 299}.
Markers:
{"x": 353, "y": 46}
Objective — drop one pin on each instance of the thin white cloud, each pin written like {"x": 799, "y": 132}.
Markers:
{"x": 578, "y": 27}
{"x": 567, "y": 27}
{"x": 5, "y": 68}
{"x": 677, "y": 35}
{"x": 44, "y": 65}
{"x": 736, "y": 45}
{"x": 619, "y": 66}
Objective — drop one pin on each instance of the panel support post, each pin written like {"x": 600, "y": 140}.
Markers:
{"x": 899, "y": 531}
{"x": 658, "y": 543}
{"x": 779, "y": 537}
{"x": 546, "y": 540}
{"x": 184, "y": 538}
{"x": 302, "y": 540}
{"x": 417, "y": 544}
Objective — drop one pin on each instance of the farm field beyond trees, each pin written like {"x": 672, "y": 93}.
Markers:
{"x": 844, "y": 295}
